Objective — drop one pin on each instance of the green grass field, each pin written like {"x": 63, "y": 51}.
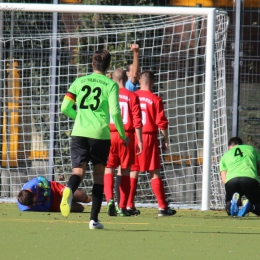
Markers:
{"x": 187, "y": 235}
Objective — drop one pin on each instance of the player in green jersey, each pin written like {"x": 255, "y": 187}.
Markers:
{"x": 240, "y": 171}
{"x": 96, "y": 97}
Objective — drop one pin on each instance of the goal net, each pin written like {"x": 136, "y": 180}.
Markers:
{"x": 44, "y": 48}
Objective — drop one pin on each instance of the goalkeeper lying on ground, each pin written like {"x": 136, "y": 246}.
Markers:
{"x": 39, "y": 194}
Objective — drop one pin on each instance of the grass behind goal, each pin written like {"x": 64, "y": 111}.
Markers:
{"x": 189, "y": 234}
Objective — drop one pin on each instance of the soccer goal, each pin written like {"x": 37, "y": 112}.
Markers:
{"x": 44, "y": 47}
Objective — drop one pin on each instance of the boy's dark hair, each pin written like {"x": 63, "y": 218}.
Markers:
{"x": 148, "y": 75}
{"x": 26, "y": 197}
{"x": 101, "y": 60}
{"x": 128, "y": 67}
{"x": 235, "y": 141}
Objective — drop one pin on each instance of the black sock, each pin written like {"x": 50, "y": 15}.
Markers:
{"x": 228, "y": 205}
{"x": 255, "y": 209}
{"x": 74, "y": 182}
{"x": 97, "y": 198}
{"x": 118, "y": 180}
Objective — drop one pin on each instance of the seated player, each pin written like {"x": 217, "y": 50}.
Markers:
{"x": 39, "y": 194}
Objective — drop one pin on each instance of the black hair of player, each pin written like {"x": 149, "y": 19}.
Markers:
{"x": 235, "y": 141}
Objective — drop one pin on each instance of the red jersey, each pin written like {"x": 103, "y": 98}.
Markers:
{"x": 130, "y": 111}
{"x": 153, "y": 116}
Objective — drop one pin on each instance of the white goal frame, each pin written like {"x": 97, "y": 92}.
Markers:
{"x": 210, "y": 13}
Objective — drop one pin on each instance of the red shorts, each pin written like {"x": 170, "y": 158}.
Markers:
{"x": 57, "y": 190}
{"x": 120, "y": 154}
{"x": 149, "y": 159}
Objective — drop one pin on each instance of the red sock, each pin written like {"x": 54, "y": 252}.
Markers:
{"x": 124, "y": 189}
{"x": 131, "y": 197}
{"x": 109, "y": 186}
{"x": 158, "y": 190}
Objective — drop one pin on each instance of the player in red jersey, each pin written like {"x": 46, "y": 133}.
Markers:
{"x": 121, "y": 155}
{"x": 153, "y": 117}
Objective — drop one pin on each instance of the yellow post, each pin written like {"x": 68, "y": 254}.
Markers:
{"x": 71, "y": 1}
{"x": 13, "y": 106}
{"x": 213, "y": 3}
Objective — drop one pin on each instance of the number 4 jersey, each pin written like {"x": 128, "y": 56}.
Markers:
{"x": 96, "y": 96}
{"x": 240, "y": 161}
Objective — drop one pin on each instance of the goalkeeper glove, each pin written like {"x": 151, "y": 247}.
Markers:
{"x": 44, "y": 184}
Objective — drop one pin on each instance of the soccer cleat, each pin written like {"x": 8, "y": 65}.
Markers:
{"x": 117, "y": 209}
{"x": 111, "y": 208}
{"x": 123, "y": 213}
{"x": 133, "y": 211}
{"x": 246, "y": 205}
{"x": 95, "y": 225}
{"x": 234, "y": 205}
{"x": 166, "y": 212}
{"x": 65, "y": 204}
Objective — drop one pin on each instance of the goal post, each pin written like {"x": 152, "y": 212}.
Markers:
{"x": 158, "y": 29}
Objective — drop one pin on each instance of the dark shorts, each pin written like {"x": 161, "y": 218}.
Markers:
{"x": 84, "y": 149}
{"x": 244, "y": 186}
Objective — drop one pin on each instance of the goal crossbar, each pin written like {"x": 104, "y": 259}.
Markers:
{"x": 148, "y": 10}
{"x": 210, "y": 13}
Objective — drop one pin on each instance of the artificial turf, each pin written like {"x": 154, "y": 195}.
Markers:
{"x": 187, "y": 235}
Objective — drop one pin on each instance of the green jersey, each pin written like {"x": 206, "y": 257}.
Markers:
{"x": 240, "y": 161}
{"x": 97, "y": 98}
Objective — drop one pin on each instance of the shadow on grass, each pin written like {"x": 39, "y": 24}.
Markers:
{"x": 134, "y": 230}
{"x": 218, "y": 232}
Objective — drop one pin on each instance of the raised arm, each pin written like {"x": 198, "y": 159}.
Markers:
{"x": 135, "y": 67}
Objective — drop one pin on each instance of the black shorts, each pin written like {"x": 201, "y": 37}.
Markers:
{"x": 244, "y": 186}
{"x": 84, "y": 149}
